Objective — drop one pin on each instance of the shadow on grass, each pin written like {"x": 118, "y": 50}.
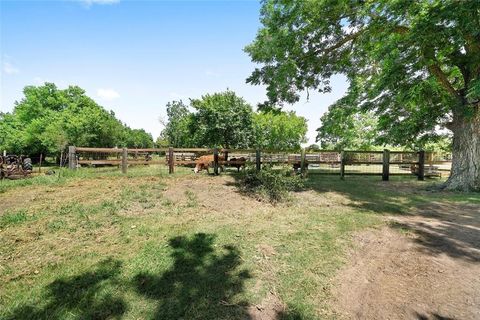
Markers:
{"x": 444, "y": 222}
{"x": 453, "y": 217}
{"x": 204, "y": 282}
{"x": 79, "y": 297}
{"x": 201, "y": 284}
{"x": 433, "y": 316}
{"x": 289, "y": 315}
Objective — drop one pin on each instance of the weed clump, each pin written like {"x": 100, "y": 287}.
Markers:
{"x": 271, "y": 184}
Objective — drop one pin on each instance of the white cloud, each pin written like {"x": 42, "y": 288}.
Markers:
{"x": 9, "y": 68}
{"x": 107, "y": 94}
{"x": 89, "y": 3}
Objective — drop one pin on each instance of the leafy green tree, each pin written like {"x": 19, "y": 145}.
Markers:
{"x": 177, "y": 130}
{"x": 226, "y": 120}
{"x": 137, "y": 138}
{"x": 222, "y": 119}
{"x": 161, "y": 142}
{"x": 12, "y": 138}
{"x": 313, "y": 147}
{"x": 442, "y": 144}
{"x": 47, "y": 120}
{"x": 279, "y": 130}
{"x": 416, "y": 64}
{"x": 343, "y": 129}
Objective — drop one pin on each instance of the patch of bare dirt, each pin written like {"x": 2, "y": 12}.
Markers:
{"x": 211, "y": 194}
{"x": 266, "y": 250}
{"x": 425, "y": 266}
{"x": 271, "y": 308}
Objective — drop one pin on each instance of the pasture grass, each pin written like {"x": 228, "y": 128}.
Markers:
{"x": 96, "y": 244}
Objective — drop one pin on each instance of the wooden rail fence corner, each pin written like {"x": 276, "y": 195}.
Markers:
{"x": 72, "y": 158}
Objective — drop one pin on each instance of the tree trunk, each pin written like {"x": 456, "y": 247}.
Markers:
{"x": 465, "y": 174}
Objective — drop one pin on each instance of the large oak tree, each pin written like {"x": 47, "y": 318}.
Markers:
{"x": 416, "y": 64}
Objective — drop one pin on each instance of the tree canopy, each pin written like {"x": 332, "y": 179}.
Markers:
{"x": 177, "y": 131}
{"x": 415, "y": 64}
{"x": 222, "y": 119}
{"x": 226, "y": 120}
{"x": 48, "y": 119}
{"x": 343, "y": 130}
{"x": 279, "y": 130}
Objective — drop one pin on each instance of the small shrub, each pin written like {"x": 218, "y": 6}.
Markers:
{"x": 271, "y": 184}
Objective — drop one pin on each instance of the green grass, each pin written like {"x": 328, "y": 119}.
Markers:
{"x": 13, "y": 218}
{"x": 94, "y": 244}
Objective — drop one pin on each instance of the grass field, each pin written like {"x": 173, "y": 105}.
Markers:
{"x": 94, "y": 244}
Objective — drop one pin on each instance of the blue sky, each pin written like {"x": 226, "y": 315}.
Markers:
{"x": 133, "y": 57}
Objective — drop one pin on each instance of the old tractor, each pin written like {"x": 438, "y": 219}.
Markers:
{"x": 15, "y": 167}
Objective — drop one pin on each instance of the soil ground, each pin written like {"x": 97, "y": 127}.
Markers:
{"x": 424, "y": 266}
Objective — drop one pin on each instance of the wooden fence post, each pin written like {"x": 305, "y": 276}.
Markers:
{"x": 124, "y": 160}
{"x": 421, "y": 165}
{"x": 258, "y": 159}
{"x": 171, "y": 159}
{"x": 215, "y": 161}
{"x": 302, "y": 162}
{"x": 72, "y": 158}
{"x": 40, "y": 163}
{"x": 386, "y": 165}
{"x": 342, "y": 165}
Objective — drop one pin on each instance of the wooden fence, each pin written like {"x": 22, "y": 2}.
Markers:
{"x": 382, "y": 163}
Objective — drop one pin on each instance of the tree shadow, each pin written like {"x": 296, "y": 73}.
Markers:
{"x": 442, "y": 226}
{"x": 82, "y": 297}
{"x": 201, "y": 284}
{"x": 432, "y": 316}
{"x": 290, "y": 315}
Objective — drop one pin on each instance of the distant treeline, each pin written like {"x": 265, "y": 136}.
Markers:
{"x": 48, "y": 119}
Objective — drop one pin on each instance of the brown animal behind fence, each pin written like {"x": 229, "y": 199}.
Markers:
{"x": 384, "y": 163}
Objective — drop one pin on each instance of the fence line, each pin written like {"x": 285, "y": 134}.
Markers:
{"x": 348, "y": 162}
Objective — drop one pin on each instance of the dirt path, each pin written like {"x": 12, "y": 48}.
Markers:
{"x": 425, "y": 266}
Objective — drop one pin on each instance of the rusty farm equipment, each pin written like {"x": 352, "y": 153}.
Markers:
{"x": 15, "y": 167}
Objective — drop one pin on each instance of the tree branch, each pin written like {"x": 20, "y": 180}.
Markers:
{"x": 352, "y": 36}
{"x": 437, "y": 72}
{"x": 340, "y": 43}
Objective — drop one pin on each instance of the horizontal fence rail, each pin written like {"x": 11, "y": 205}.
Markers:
{"x": 349, "y": 162}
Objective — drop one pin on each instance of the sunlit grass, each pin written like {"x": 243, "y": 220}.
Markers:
{"x": 94, "y": 243}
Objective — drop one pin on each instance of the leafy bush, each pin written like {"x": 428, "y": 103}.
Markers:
{"x": 271, "y": 184}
